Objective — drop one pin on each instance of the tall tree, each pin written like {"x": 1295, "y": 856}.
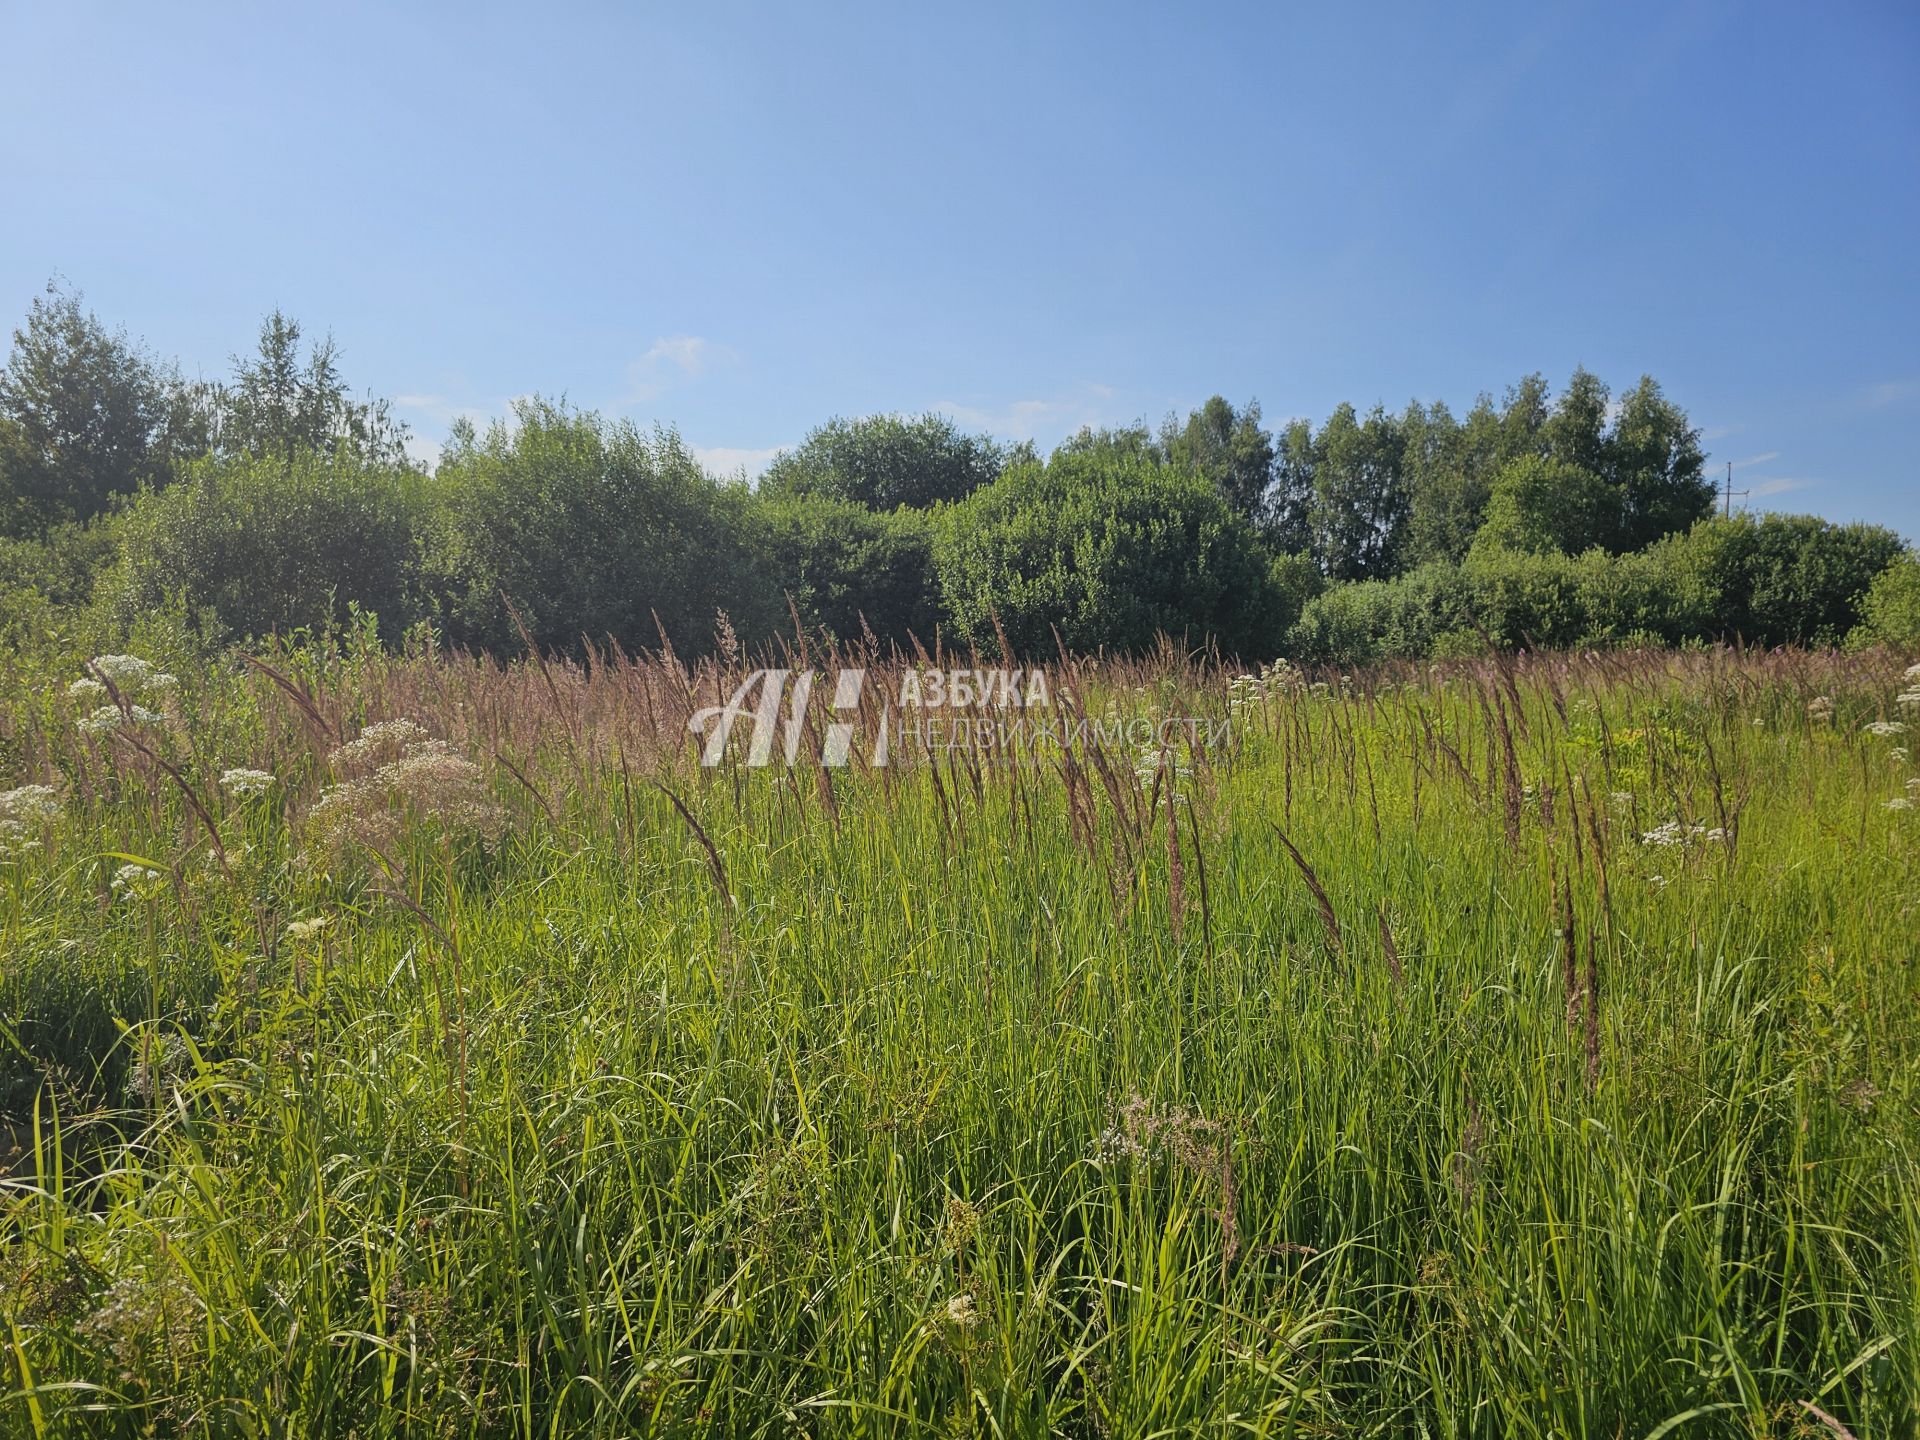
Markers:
{"x": 1227, "y": 447}
{"x": 1655, "y": 460}
{"x": 1576, "y": 432}
{"x": 1360, "y": 506}
{"x": 278, "y": 405}
{"x": 1287, "y": 518}
{"x": 86, "y": 414}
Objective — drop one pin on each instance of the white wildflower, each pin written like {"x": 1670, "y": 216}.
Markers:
{"x": 87, "y": 688}
{"x": 246, "y": 783}
{"x": 136, "y": 882}
{"x": 127, "y": 672}
{"x": 307, "y": 929}
{"x": 1907, "y": 699}
{"x": 1664, "y": 835}
{"x": 30, "y": 803}
{"x": 1820, "y": 708}
{"x": 1657, "y": 882}
{"x": 961, "y": 1312}
{"x": 1899, "y": 754}
{"x": 1886, "y": 727}
{"x": 1913, "y": 674}
{"x": 109, "y": 718}
{"x": 1899, "y": 802}
{"x": 1759, "y": 722}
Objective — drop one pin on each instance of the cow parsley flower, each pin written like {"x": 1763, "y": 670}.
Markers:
{"x": 23, "y": 812}
{"x": 307, "y": 929}
{"x": 109, "y": 718}
{"x": 1887, "y": 727}
{"x": 1899, "y": 802}
{"x": 246, "y": 783}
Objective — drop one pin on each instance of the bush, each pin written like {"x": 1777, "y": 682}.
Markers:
{"x": 886, "y": 461}
{"x": 1782, "y": 579}
{"x": 271, "y": 546}
{"x": 591, "y": 531}
{"x": 1890, "y": 610}
{"x": 850, "y": 570}
{"x": 1548, "y": 507}
{"x": 1111, "y": 549}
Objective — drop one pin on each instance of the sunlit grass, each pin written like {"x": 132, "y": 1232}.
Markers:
{"x": 973, "y": 1099}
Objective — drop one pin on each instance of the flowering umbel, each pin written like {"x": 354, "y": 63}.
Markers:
{"x": 396, "y": 777}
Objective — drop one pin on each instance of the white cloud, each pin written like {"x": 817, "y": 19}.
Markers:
{"x": 1888, "y": 393}
{"x": 1053, "y": 419}
{"x": 1756, "y": 460}
{"x": 1760, "y": 489}
{"x": 731, "y": 460}
{"x": 668, "y": 359}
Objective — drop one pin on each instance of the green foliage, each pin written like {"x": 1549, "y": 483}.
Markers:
{"x": 278, "y": 405}
{"x": 64, "y": 562}
{"x": 1548, "y": 506}
{"x": 591, "y": 531}
{"x": 1890, "y": 610}
{"x": 1653, "y": 457}
{"x": 885, "y": 461}
{"x": 1227, "y": 447}
{"x": 1784, "y": 579}
{"x": 85, "y": 416}
{"x": 851, "y": 571}
{"x": 257, "y": 547}
{"x": 1110, "y": 550}
{"x": 1359, "y": 510}
{"x": 1778, "y": 580}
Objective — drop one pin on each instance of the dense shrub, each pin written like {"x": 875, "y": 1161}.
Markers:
{"x": 886, "y": 461}
{"x": 1546, "y": 506}
{"x": 1783, "y": 579}
{"x": 591, "y": 531}
{"x": 1113, "y": 551}
{"x": 851, "y": 571}
{"x": 1890, "y": 610}
{"x": 268, "y": 546}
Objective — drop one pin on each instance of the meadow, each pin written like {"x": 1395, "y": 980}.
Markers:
{"x": 394, "y": 1042}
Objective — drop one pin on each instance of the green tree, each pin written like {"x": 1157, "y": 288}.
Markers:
{"x": 1548, "y": 506}
{"x": 1575, "y": 433}
{"x": 85, "y": 415}
{"x": 885, "y": 461}
{"x": 279, "y": 405}
{"x": 265, "y": 546}
{"x": 852, "y": 572}
{"x": 1228, "y": 447}
{"x": 1287, "y": 519}
{"x": 1890, "y": 610}
{"x": 1111, "y": 549}
{"x": 592, "y": 530}
{"x": 1653, "y": 456}
{"x": 1360, "y": 504}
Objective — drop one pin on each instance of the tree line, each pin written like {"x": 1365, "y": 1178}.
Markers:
{"x": 277, "y": 499}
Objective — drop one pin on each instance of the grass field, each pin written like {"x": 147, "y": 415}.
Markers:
{"x": 1509, "y": 1048}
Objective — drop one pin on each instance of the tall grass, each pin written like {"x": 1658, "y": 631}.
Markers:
{"x": 1389, "y": 1070}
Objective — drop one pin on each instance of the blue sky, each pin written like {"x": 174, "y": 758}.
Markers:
{"x": 742, "y": 220}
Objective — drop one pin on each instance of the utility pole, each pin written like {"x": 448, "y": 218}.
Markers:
{"x": 1731, "y": 492}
